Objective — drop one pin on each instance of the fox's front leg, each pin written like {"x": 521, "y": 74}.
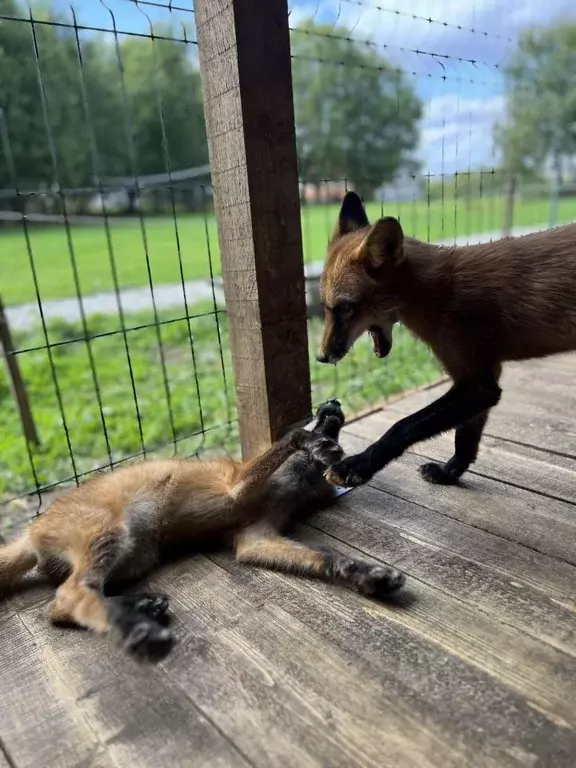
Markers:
{"x": 254, "y": 474}
{"x": 464, "y": 401}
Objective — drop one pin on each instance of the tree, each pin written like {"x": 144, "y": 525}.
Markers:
{"x": 57, "y": 103}
{"x": 540, "y": 128}
{"x": 44, "y": 116}
{"x": 165, "y": 100}
{"x": 356, "y": 115}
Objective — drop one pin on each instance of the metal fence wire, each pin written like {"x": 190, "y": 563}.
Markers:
{"x": 116, "y": 315}
{"x": 113, "y": 306}
{"x": 406, "y": 104}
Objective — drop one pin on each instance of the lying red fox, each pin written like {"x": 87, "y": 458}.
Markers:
{"x": 117, "y": 526}
{"x": 475, "y": 306}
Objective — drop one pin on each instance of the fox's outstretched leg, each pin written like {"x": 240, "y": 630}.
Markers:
{"x": 263, "y": 547}
{"x": 254, "y": 475}
{"x": 134, "y": 618}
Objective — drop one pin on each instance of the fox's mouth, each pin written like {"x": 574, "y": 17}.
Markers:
{"x": 380, "y": 342}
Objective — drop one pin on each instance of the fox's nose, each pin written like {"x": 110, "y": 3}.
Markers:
{"x": 322, "y": 357}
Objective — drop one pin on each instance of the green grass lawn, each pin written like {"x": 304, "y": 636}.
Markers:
{"x": 200, "y": 399}
{"x": 185, "y": 396}
{"x": 163, "y": 242}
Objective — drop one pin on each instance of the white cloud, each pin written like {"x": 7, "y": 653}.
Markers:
{"x": 461, "y": 84}
{"x": 457, "y": 133}
{"x": 451, "y": 107}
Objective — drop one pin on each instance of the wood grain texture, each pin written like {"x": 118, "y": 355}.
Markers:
{"x": 430, "y": 675}
{"x": 543, "y": 524}
{"x": 246, "y": 75}
{"x": 282, "y": 693}
{"x": 502, "y": 581}
{"x": 515, "y": 464}
{"x": 472, "y": 665}
{"x": 409, "y": 507}
{"x": 39, "y": 723}
{"x": 133, "y": 712}
{"x": 4, "y": 763}
{"x": 353, "y": 683}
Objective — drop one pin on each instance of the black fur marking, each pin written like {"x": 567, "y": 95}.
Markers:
{"x": 142, "y": 637}
{"x": 463, "y": 407}
{"x": 372, "y": 580}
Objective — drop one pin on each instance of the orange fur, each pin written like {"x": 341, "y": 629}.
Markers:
{"x": 116, "y": 527}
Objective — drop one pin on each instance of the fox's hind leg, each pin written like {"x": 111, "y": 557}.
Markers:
{"x": 263, "y": 547}
{"x": 80, "y": 599}
{"x": 466, "y": 444}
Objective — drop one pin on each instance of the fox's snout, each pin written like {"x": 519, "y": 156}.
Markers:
{"x": 334, "y": 344}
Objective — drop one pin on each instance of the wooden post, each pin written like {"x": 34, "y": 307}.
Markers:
{"x": 247, "y": 83}
{"x": 16, "y": 380}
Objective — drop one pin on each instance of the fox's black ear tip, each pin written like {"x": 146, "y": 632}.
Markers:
{"x": 352, "y": 196}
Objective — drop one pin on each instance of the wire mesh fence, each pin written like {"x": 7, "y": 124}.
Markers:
{"x": 412, "y": 105}
{"x": 108, "y": 249}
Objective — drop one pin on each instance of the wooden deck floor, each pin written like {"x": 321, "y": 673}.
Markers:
{"x": 474, "y": 666}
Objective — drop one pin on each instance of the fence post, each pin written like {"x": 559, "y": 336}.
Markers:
{"x": 247, "y": 84}
{"x": 16, "y": 381}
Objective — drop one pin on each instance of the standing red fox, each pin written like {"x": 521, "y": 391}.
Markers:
{"x": 475, "y": 306}
{"x": 117, "y": 526}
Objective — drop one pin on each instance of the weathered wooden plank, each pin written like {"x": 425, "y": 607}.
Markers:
{"x": 132, "y": 711}
{"x": 530, "y": 668}
{"x": 422, "y": 515}
{"x": 359, "y": 679}
{"x": 544, "y": 524}
{"x": 531, "y": 419}
{"x": 521, "y": 465}
{"x": 245, "y": 64}
{"x": 396, "y": 528}
{"x": 39, "y": 723}
{"x": 280, "y": 692}
{"x": 4, "y": 759}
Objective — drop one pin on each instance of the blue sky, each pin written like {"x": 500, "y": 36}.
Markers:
{"x": 460, "y": 110}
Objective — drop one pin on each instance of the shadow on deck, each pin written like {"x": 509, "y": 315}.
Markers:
{"x": 475, "y": 665}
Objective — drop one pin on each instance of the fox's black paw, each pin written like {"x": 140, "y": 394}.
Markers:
{"x": 147, "y": 641}
{"x": 380, "y": 580}
{"x": 153, "y": 604}
{"x": 438, "y": 474}
{"x": 330, "y": 409}
{"x": 348, "y": 473}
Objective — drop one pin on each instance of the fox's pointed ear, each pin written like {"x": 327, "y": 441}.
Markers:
{"x": 352, "y": 215}
{"x": 384, "y": 243}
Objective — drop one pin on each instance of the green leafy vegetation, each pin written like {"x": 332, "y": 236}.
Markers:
{"x": 200, "y": 399}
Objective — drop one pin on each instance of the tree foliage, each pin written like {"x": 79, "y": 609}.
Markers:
{"x": 76, "y": 109}
{"x": 540, "y": 127}
{"x": 79, "y": 109}
{"x": 356, "y": 115}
